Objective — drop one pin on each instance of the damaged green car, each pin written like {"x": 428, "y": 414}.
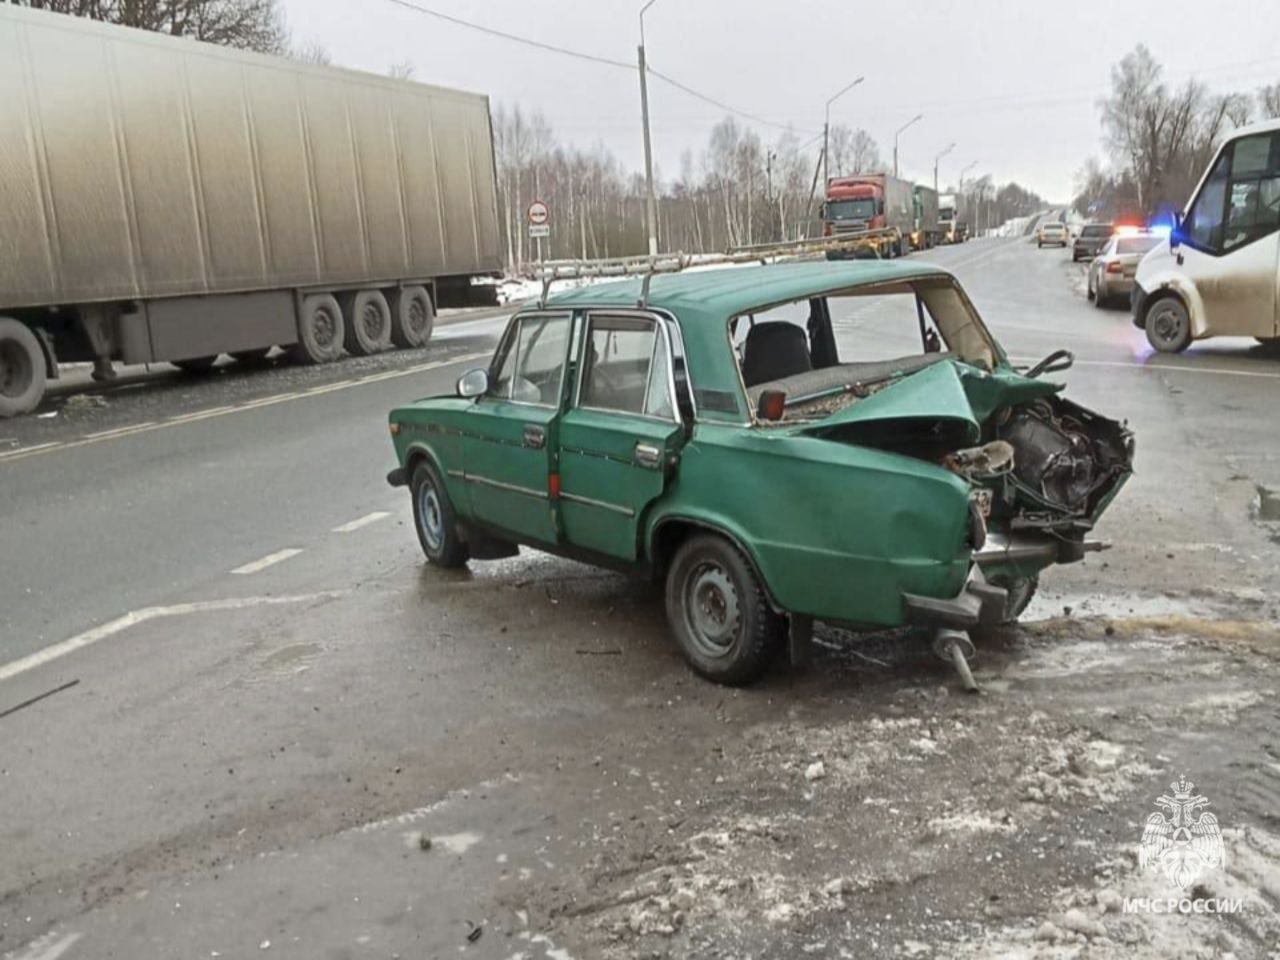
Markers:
{"x": 781, "y": 443}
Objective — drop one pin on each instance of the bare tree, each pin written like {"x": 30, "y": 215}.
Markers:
{"x": 1162, "y": 138}
{"x": 313, "y": 51}
{"x": 1268, "y": 98}
{"x": 404, "y": 70}
{"x": 249, "y": 24}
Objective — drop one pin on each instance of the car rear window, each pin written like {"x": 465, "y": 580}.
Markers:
{"x": 1135, "y": 244}
{"x": 1098, "y": 230}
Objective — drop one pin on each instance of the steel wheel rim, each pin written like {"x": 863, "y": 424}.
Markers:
{"x": 713, "y": 610}
{"x": 1167, "y": 324}
{"x": 16, "y": 370}
{"x": 371, "y": 318}
{"x": 430, "y": 520}
{"x": 417, "y": 316}
{"x": 324, "y": 327}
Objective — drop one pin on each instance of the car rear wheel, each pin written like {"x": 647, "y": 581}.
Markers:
{"x": 1099, "y": 298}
{"x": 719, "y": 613}
{"x": 1168, "y": 325}
{"x": 434, "y": 519}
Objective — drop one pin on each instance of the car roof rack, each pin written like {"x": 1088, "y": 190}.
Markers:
{"x": 646, "y": 267}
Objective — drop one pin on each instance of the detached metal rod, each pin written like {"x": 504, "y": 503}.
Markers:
{"x": 962, "y": 668}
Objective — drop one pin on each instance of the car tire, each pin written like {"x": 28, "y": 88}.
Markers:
{"x": 23, "y": 375}
{"x": 1168, "y": 325}
{"x": 195, "y": 366}
{"x": 368, "y": 328}
{"x": 321, "y": 330}
{"x": 1099, "y": 299}
{"x": 413, "y": 317}
{"x": 719, "y": 612}
{"x": 434, "y": 519}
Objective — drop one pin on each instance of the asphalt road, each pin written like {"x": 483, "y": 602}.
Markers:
{"x": 256, "y": 699}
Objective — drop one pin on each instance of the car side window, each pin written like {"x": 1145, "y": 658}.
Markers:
{"x": 531, "y": 366}
{"x": 626, "y": 367}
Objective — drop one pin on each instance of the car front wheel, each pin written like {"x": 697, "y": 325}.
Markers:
{"x": 1168, "y": 325}
{"x": 434, "y": 519}
{"x": 718, "y": 611}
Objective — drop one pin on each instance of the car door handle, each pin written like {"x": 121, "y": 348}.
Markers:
{"x": 535, "y": 436}
{"x": 647, "y": 455}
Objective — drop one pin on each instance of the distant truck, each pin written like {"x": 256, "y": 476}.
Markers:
{"x": 170, "y": 200}
{"x": 953, "y": 230}
{"x": 871, "y": 201}
{"x": 926, "y": 231}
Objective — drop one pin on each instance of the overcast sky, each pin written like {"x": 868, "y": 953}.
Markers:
{"x": 1014, "y": 83}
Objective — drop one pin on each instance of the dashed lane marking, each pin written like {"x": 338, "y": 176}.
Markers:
{"x": 106, "y": 434}
{"x": 364, "y": 521}
{"x": 28, "y": 450}
{"x": 135, "y": 617}
{"x": 49, "y": 947}
{"x": 13, "y": 456}
{"x": 270, "y": 560}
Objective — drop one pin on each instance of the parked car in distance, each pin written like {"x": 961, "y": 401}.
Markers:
{"x": 704, "y": 429}
{"x": 1111, "y": 273}
{"x": 1093, "y": 237}
{"x": 1054, "y": 232}
{"x": 1217, "y": 275}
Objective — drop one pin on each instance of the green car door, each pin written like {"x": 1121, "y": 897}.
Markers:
{"x": 508, "y": 437}
{"x": 621, "y": 434}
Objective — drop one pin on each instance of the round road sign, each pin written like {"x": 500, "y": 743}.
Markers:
{"x": 538, "y": 213}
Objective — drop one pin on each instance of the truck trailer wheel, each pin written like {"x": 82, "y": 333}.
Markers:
{"x": 320, "y": 330}
{"x": 412, "y": 317}
{"x": 22, "y": 370}
{"x": 368, "y": 322}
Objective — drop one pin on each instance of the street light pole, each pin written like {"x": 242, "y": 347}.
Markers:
{"x": 651, "y": 214}
{"x": 826, "y": 132}
{"x": 935, "y": 164}
{"x": 960, "y": 189}
{"x": 918, "y": 116}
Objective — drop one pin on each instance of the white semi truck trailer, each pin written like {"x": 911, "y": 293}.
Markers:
{"x": 162, "y": 199}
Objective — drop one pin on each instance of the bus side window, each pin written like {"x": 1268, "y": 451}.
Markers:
{"x": 1204, "y": 218}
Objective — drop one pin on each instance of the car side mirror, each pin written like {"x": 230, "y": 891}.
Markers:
{"x": 473, "y": 383}
{"x": 1175, "y": 234}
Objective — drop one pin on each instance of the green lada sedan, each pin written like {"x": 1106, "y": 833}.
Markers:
{"x": 782, "y": 443}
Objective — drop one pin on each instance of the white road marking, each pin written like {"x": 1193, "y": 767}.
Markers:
{"x": 1165, "y": 368}
{"x": 362, "y": 522}
{"x": 268, "y": 561}
{"x": 135, "y": 617}
{"x": 104, "y": 434}
{"x": 47, "y": 948}
{"x": 215, "y": 412}
{"x": 23, "y": 451}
